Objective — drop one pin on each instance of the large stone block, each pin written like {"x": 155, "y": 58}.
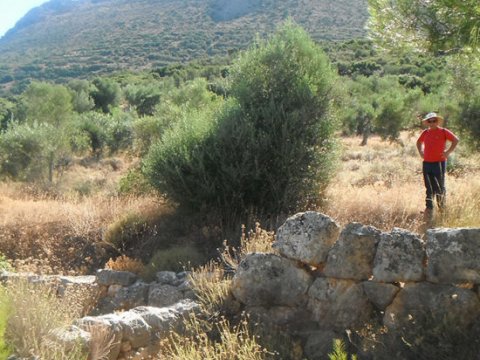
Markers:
{"x": 268, "y": 279}
{"x": 400, "y": 257}
{"x": 453, "y": 255}
{"x": 307, "y": 237}
{"x": 426, "y": 303}
{"x": 338, "y": 304}
{"x": 351, "y": 257}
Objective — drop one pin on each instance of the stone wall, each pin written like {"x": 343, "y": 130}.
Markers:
{"x": 324, "y": 279}
{"x": 321, "y": 281}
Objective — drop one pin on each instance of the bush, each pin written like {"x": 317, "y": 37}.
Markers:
{"x": 126, "y": 232}
{"x": 22, "y": 149}
{"x": 270, "y": 148}
{"x": 177, "y": 258}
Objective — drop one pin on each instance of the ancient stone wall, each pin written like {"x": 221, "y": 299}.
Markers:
{"x": 321, "y": 281}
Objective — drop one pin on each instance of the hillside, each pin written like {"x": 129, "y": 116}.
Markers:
{"x": 78, "y": 38}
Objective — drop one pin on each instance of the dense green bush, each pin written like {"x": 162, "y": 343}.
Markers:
{"x": 22, "y": 149}
{"x": 269, "y": 149}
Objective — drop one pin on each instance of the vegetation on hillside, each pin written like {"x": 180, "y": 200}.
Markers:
{"x": 76, "y": 188}
{"x": 61, "y": 40}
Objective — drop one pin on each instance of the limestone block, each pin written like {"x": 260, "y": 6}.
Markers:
{"x": 112, "y": 277}
{"x": 268, "y": 279}
{"x": 428, "y": 303}
{"x": 453, "y": 255}
{"x": 163, "y": 295}
{"x": 307, "y": 237}
{"x": 399, "y": 258}
{"x": 380, "y": 294}
{"x": 351, "y": 257}
{"x": 135, "y": 329}
{"x": 338, "y": 304}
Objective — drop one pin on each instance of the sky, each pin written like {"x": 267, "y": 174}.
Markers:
{"x": 13, "y": 10}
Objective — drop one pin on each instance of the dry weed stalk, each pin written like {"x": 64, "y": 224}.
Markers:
{"x": 257, "y": 240}
{"x": 102, "y": 341}
{"x": 232, "y": 342}
{"x": 37, "y": 313}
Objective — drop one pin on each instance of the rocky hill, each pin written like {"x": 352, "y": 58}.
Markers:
{"x": 78, "y": 38}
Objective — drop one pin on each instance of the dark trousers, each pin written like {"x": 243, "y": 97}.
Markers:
{"x": 434, "y": 178}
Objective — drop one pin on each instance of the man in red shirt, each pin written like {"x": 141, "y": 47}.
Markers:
{"x": 432, "y": 148}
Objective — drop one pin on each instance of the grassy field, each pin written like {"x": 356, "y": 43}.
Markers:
{"x": 83, "y": 223}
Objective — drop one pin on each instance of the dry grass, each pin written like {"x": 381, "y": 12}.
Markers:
{"x": 382, "y": 185}
{"x": 65, "y": 230}
{"x": 37, "y": 313}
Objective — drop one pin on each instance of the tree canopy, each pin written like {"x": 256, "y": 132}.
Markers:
{"x": 434, "y": 25}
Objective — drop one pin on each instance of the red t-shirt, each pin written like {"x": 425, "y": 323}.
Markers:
{"x": 434, "y": 143}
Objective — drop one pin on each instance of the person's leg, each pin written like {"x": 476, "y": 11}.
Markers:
{"x": 438, "y": 183}
{"x": 428, "y": 179}
{"x": 440, "y": 191}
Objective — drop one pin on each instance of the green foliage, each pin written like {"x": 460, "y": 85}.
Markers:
{"x": 5, "y": 313}
{"x": 127, "y": 232}
{"x": 339, "y": 352}
{"x": 81, "y": 99}
{"x": 135, "y": 36}
{"x": 270, "y": 147}
{"x": 106, "y": 94}
{"x": 434, "y": 25}
{"x": 22, "y": 149}
{"x": 144, "y": 98}
{"x": 6, "y": 113}
{"x": 47, "y": 104}
{"x": 469, "y": 117}
{"x": 134, "y": 183}
{"x": 378, "y": 104}
{"x": 4, "y": 264}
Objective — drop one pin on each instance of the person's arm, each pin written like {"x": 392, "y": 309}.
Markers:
{"x": 452, "y": 146}
{"x": 420, "y": 147}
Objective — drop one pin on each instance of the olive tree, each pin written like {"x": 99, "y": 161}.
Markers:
{"x": 270, "y": 147}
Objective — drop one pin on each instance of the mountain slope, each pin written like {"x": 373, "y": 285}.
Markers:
{"x": 78, "y": 38}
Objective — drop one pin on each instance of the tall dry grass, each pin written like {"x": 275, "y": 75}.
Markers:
{"x": 382, "y": 185}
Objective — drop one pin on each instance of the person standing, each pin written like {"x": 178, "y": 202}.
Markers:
{"x": 432, "y": 147}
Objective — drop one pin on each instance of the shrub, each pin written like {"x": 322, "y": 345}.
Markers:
{"x": 124, "y": 263}
{"x": 270, "y": 149}
{"x": 176, "y": 258}
{"x": 126, "y": 232}
{"x": 22, "y": 152}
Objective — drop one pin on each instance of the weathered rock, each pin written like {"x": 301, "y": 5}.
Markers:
{"x": 166, "y": 277}
{"x": 162, "y": 320}
{"x": 399, "y": 258}
{"x": 351, "y": 257}
{"x": 163, "y": 295}
{"x": 453, "y": 255}
{"x": 110, "y": 330}
{"x": 426, "y": 303}
{"x": 135, "y": 329}
{"x": 132, "y": 296}
{"x": 380, "y": 294}
{"x": 320, "y": 343}
{"x": 294, "y": 319}
{"x": 70, "y": 338}
{"x": 112, "y": 277}
{"x": 338, "y": 304}
{"x": 268, "y": 279}
{"x": 307, "y": 237}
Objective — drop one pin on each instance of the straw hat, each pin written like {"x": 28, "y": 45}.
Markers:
{"x": 432, "y": 115}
